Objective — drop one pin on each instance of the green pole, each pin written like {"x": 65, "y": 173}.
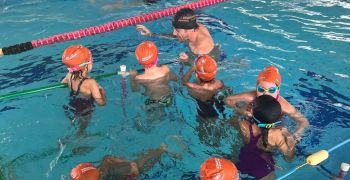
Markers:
{"x": 45, "y": 88}
{"x": 56, "y": 86}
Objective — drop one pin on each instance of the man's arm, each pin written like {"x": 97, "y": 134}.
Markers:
{"x": 146, "y": 32}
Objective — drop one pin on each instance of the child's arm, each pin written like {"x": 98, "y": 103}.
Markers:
{"x": 294, "y": 114}
{"x": 97, "y": 92}
{"x": 232, "y": 100}
{"x": 134, "y": 84}
{"x": 281, "y": 141}
{"x": 186, "y": 78}
{"x": 243, "y": 127}
{"x": 147, "y": 161}
{"x": 65, "y": 79}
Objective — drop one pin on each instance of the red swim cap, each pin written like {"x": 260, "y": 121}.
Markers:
{"x": 85, "y": 171}
{"x": 75, "y": 57}
{"x": 147, "y": 53}
{"x": 218, "y": 169}
{"x": 206, "y": 68}
{"x": 269, "y": 74}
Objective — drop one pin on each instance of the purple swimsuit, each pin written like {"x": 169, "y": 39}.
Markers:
{"x": 253, "y": 160}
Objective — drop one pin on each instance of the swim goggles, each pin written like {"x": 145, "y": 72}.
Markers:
{"x": 78, "y": 67}
{"x": 270, "y": 90}
{"x": 268, "y": 126}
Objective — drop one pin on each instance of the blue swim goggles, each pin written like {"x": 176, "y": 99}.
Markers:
{"x": 270, "y": 90}
{"x": 267, "y": 126}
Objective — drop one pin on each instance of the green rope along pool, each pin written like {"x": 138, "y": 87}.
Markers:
{"x": 58, "y": 85}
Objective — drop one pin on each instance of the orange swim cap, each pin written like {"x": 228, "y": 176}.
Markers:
{"x": 75, "y": 57}
{"x": 85, "y": 171}
{"x": 206, "y": 68}
{"x": 147, "y": 53}
{"x": 269, "y": 74}
{"x": 218, "y": 169}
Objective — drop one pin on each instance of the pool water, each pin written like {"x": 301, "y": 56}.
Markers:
{"x": 308, "y": 41}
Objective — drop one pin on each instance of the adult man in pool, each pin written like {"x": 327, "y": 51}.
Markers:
{"x": 187, "y": 30}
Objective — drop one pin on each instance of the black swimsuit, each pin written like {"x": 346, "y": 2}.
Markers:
{"x": 216, "y": 53}
{"x": 78, "y": 104}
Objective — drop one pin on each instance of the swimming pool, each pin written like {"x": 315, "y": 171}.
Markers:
{"x": 308, "y": 41}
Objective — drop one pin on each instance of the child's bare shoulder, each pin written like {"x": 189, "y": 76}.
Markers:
{"x": 165, "y": 68}
{"x": 91, "y": 82}
{"x": 275, "y": 136}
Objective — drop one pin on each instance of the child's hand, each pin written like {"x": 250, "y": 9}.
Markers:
{"x": 1, "y": 53}
{"x": 163, "y": 147}
{"x": 143, "y": 30}
{"x": 183, "y": 57}
{"x": 133, "y": 73}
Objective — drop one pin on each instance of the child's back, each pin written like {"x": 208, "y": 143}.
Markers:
{"x": 261, "y": 136}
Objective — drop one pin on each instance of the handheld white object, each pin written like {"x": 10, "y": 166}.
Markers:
{"x": 123, "y": 71}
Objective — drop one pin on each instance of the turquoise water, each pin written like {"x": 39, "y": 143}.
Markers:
{"x": 307, "y": 40}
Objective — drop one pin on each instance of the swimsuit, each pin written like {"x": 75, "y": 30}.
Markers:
{"x": 164, "y": 100}
{"x": 253, "y": 160}
{"x": 216, "y": 53}
{"x": 209, "y": 108}
{"x": 78, "y": 105}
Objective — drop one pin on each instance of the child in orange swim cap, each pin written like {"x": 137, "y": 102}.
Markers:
{"x": 218, "y": 169}
{"x": 85, "y": 171}
{"x": 84, "y": 91}
{"x": 113, "y": 167}
{"x": 269, "y": 74}
{"x": 206, "y": 68}
{"x": 268, "y": 82}
{"x": 155, "y": 79}
{"x": 147, "y": 54}
{"x": 205, "y": 88}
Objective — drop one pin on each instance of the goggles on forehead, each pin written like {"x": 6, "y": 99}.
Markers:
{"x": 270, "y": 90}
{"x": 78, "y": 67}
{"x": 267, "y": 126}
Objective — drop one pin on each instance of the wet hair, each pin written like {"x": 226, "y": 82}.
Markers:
{"x": 267, "y": 110}
{"x": 78, "y": 74}
{"x": 185, "y": 19}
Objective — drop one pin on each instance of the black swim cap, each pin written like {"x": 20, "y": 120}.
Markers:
{"x": 185, "y": 19}
{"x": 266, "y": 109}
